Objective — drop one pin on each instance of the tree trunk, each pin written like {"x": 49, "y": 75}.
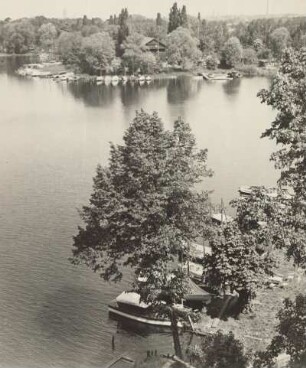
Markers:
{"x": 175, "y": 334}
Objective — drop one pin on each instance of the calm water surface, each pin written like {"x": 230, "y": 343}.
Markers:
{"x": 52, "y": 136}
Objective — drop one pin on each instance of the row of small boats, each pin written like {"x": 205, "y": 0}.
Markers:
{"x": 108, "y": 79}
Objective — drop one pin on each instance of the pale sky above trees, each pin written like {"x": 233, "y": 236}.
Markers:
{"x": 103, "y": 8}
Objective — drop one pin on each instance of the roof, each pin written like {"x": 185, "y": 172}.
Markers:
{"x": 195, "y": 292}
{"x": 199, "y": 250}
{"x": 121, "y": 362}
{"x": 221, "y": 218}
{"x": 147, "y": 40}
{"x": 131, "y": 298}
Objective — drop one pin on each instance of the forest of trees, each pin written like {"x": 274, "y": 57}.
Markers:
{"x": 204, "y": 42}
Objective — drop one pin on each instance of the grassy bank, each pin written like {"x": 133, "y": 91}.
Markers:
{"x": 255, "y": 329}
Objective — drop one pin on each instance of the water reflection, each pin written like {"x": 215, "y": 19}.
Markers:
{"x": 182, "y": 89}
{"x": 232, "y": 87}
{"x": 91, "y": 94}
{"x": 9, "y": 64}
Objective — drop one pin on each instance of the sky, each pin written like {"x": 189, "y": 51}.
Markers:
{"x": 103, "y": 8}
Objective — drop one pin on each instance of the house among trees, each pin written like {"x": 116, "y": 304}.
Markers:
{"x": 153, "y": 45}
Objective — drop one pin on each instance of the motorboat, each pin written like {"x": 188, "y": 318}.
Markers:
{"x": 141, "y": 78}
{"x": 148, "y": 78}
{"x": 128, "y": 305}
{"x": 219, "y": 77}
{"x": 115, "y": 78}
{"x": 221, "y": 218}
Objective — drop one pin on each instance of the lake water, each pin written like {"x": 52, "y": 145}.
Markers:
{"x": 52, "y": 136}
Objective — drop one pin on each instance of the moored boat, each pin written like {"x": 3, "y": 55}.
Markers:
{"x": 128, "y": 305}
{"x": 99, "y": 79}
{"x": 221, "y": 218}
{"x": 121, "y": 362}
{"x": 107, "y": 80}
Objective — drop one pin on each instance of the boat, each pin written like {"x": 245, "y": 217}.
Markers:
{"x": 124, "y": 78}
{"x": 148, "y": 78}
{"x": 219, "y": 77}
{"x": 212, "y": 76}
{"x": 234, "y": 74}
{"x": 141, "y": 78}
{"x": 107, "y": 80}
{"x": 221, "y": 218}
{"x": 115, "y": 78}
{"x": 127, "y": 305}
{"x": 99, "y": 79}
{"x": 122, "y": 361}
{"x": 246, "y": 190}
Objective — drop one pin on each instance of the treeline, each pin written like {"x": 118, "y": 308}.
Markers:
{"x": 118, "y": 44}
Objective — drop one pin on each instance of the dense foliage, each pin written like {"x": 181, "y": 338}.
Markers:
{"x": 144, "y": 209}
{"x": 135, "y": 57}
{"x": 219, "y": 351}
{"x": 182, "y": 48}
{"x": 290, "y": 337}
{"x": 232, "y": 53}
{"x": 287, "y": 96}
{"x": 258, "y": 39}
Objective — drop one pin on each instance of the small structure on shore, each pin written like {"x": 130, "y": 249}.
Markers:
{"x": 153, "y": 45}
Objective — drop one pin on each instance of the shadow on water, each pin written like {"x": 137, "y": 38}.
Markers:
{"x": 71, "y": 313}
{"x": 182, "y": 89}
{"x": 232, "y": 87}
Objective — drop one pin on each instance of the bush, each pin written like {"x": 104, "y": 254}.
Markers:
{"x": 212, "y": 62}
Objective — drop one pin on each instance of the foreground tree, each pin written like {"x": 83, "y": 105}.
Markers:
{"x": 219, "y": 351}
{"x": 290, "y": 337}
{"x": 287, "y": 96}
{"x": 143, "y": 211}
{"x": 235, "y": 265}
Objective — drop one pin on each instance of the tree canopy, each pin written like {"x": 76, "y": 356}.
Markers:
{"x": 135, "y": 55}
{"x": 182, "y": 48}
{"x": 287, "y": 96}
{"x": 219, "y": 351}
{"x": 232, "y": 52}
{"x": 144, "y": 209}
{"x": 97, "y": 53}
{"x": 290, "y": 336}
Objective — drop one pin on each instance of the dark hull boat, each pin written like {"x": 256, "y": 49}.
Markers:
{"x": 128, "y": 306}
